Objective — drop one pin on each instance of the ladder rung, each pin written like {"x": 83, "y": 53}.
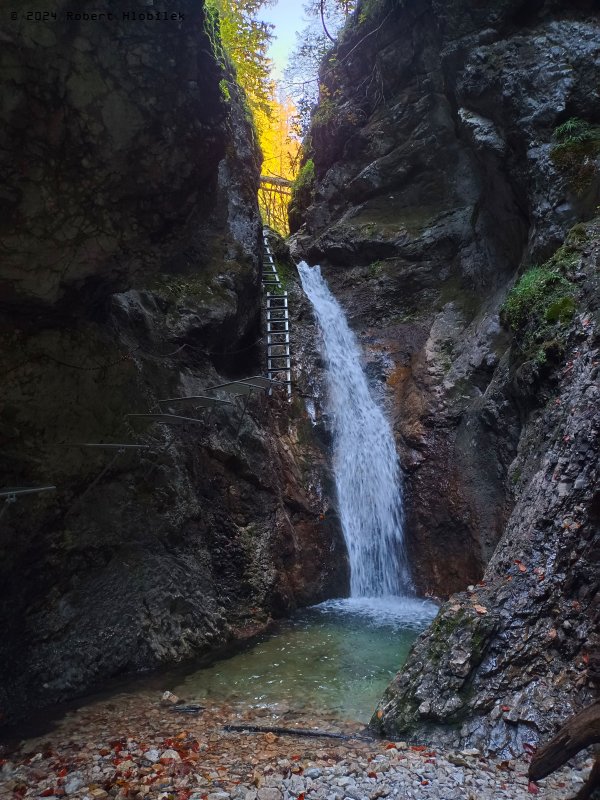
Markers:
{"x": 277, "y": 319}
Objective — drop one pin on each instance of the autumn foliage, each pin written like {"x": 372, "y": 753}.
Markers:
{"x": 245, "y": 39}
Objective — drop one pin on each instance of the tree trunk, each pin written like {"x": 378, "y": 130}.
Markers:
{"x": 577, "y": 733}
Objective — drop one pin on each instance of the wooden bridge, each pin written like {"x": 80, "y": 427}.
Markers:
{"x": 274, "y": 195}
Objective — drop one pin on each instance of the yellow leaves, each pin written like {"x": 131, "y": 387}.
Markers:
{"x": 281, "y": 154}
{"x": 280, "y": 148}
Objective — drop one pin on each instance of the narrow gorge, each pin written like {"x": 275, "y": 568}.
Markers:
{"x": 422, "y": 513}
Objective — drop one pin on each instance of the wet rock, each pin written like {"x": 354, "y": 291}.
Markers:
{"x": 432, "y": 192}
{"x": 132, "y": 278}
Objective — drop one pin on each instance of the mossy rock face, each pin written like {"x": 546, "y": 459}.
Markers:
{"x": 561, "y": 310}
{"x": 577, "y": 152}
{"x": 455, "y": 645}
{"x": 176, "y": 288}
{"x": 542, "y": 303}
{"x": 302, "y": 194}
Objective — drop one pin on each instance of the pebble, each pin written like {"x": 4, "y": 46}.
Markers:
{"x": 74, "y": 782}
{"x": 313, "y": 772}
{"x": 158, "y": 758}
{"x": 169, "y": 699}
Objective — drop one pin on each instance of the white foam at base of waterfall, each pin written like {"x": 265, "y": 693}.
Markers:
{"x": 396, "y": 612}
{"x": 366, "y": 467}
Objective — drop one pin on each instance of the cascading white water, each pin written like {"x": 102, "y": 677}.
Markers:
{"x": 366, "y": 467}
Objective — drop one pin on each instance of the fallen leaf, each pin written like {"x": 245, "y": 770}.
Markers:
{"x": 379, "y": 714}
{"x": 480, "y": 609}
{"x": 505, "y": 708}
{"x": 532, "y": 788}
{"x": 418, "y": 748}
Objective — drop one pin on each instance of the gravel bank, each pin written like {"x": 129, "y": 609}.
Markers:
{"x": 132, "y": 748}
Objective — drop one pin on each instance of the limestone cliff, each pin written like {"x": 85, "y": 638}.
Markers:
{"x": 130, "y": 272}
{"x": 443, "y": 169}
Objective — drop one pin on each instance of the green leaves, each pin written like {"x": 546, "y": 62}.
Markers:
{"x": 542, "y": 303}
{"x": 246, "y": 40}
{"x": 576, "y": 131}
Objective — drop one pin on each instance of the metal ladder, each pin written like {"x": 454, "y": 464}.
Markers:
{"x": 279, "y": 361}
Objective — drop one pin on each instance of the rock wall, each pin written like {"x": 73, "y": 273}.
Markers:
{"x": 506, "y": 661}
{"x": 131, "y": 264}
{"x": 437, "y": 181}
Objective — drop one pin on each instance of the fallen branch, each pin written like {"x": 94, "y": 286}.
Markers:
{"x": 577, "y": 733}
{"x": 295, "y": 732}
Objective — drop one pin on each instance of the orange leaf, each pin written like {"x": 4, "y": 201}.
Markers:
{"x": 390, "y": 746}
{"x": 379, "y": 714}
{"x": 371, "y": 774}
{"x": 480, "y": 609}
{"x": 418, "y": 748}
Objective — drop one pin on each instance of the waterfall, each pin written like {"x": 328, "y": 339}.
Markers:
{"x": 366, "y": 466}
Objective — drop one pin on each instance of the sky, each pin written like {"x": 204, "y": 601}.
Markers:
{"x": 288, "y": 17}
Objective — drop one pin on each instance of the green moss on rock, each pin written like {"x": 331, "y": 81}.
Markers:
{"x": 542, "y": 303}
{"x": 576, "y": 151}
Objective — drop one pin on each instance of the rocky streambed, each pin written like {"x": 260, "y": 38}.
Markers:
{"x": 132, "y": 746}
